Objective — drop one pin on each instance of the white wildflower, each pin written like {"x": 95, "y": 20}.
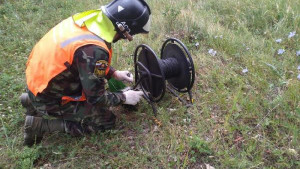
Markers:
{"x": 280, "y": 51}
{"x": 155, "y": 128}
{"x": 221, "y": 37}
{"x": 298, "y": 67}
{"x": 197, "y": 44}
{"x": 292, "y": 34}
{"x": 298, "y": 53}
{"x": 293, "y": 151}
{"x": 247, "y": 48}
{"x": 171, "y": 110}
{"x": 278, "y": 40}
{"x": 298, "y": 77}
{"x": 245, "y": 71}
{"x": 212, "y": 52}
{"x": 208, "y": 166}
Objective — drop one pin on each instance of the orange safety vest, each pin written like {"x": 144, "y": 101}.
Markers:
{"x": 51, "y": 55}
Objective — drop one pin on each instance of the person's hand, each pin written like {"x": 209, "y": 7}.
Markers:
{"x": 123, "y": 76}
{"x": 132, "y": 97}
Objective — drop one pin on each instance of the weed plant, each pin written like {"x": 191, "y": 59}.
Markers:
{"x": 246, "y": 111}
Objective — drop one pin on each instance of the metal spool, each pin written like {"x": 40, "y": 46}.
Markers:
{"x": 175, "y": 65}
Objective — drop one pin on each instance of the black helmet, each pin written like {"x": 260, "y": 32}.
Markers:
{"x": 133, "y": 15}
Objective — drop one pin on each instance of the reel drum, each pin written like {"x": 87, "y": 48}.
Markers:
{"x": 176, "y": 66}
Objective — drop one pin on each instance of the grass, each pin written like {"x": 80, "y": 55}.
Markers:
{"x": 239, "y": 120}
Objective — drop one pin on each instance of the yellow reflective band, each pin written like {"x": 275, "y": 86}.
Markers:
{"x": 80, "y": 37}
{"x": 96, "y": 22}
{"x": 80, "y": 18}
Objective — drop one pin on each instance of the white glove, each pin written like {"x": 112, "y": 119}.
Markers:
{"x": 123, "y": 76}
{"x": 132, "y": 97}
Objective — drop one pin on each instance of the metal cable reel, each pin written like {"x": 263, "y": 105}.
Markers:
{"x": 174, "y": 66}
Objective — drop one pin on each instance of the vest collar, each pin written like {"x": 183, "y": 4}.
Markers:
{"x": 96, "y": 22}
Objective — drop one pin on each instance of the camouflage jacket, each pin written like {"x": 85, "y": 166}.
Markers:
{"x": 81, "y": 76}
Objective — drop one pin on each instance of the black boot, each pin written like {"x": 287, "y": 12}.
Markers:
{"x": 36, "y": 127}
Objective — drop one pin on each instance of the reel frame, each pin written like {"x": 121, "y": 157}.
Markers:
{"x": 148, "y": 81}
{"x": 189, "y": 60}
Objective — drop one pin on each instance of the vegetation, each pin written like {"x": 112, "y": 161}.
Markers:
{"x": 246, "y": 112}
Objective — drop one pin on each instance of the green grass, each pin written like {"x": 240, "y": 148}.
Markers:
{"x": 239, "y": 120}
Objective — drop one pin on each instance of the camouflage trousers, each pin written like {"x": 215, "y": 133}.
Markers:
{"x": 80, "y": 117}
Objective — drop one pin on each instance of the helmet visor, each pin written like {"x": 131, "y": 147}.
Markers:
{"x": 146, "y": 27}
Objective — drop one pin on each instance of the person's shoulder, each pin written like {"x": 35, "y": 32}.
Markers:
{"x": 93, "y": 51}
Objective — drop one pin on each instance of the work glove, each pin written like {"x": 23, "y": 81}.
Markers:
{"x": 123, "y": 76}
{"x": 132, "y": 97}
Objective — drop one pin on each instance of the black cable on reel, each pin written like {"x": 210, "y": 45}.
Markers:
{"x": 169, "y": 67}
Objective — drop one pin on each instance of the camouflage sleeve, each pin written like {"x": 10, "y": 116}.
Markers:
{"x": 91, "y": 62}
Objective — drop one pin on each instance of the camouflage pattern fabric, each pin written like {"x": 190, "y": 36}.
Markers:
{"x": 81, "y": 117}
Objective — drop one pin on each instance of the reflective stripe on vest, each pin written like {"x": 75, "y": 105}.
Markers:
{"x": 56, "y": 49}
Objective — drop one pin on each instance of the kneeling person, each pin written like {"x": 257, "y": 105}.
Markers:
{"x": 68, "y": 68}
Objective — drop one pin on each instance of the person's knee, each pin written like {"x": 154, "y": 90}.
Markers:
{"x": 107, "y": 123}
{"x": 89, "y": 126}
